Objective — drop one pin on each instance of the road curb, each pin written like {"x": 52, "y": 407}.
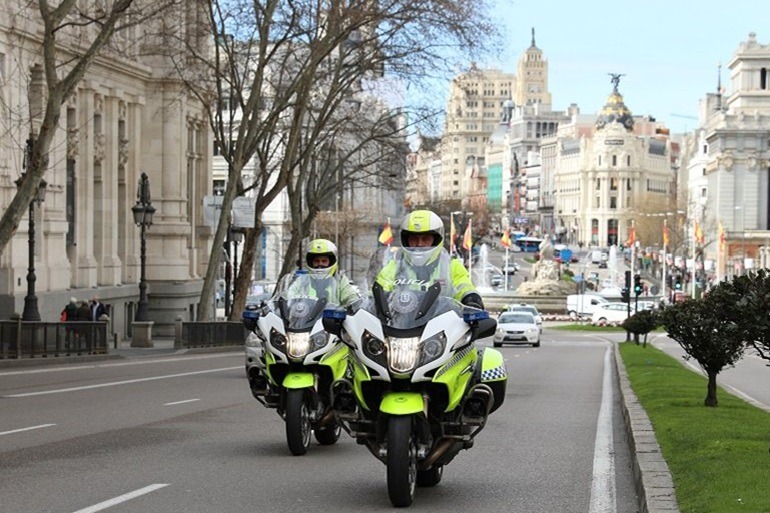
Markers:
{"x": 654, "y": 484}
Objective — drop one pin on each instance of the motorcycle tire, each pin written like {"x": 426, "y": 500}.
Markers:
{"x": 298, "y": 427}
{"x": 329, "y": 434}
{"x": 430, "y": 477}
{"x": 402, "y": 461}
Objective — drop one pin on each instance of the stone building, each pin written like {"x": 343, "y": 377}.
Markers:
{"x": 129, "y": 115}
{"x": 616, "y": 173}
{"x": 734, "y": 132}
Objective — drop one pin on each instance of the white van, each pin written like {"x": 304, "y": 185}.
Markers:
{"x": 584, "y": 305}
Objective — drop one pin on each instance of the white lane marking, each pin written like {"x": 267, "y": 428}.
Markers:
{"x": 67, "y": 367}
{"x": 603, "y": 483}
{"x": 115, "y": 383}
{"x": 122, "y": 498}
{"x": 181, "y": 402}
{"x": 26, "y": 429}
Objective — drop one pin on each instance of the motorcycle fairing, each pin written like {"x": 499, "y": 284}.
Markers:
{"x": 355, "y": 325}
{"x": 402, "y": 403}
{"x": 266, "y": 324}
{"x": 493, "y": 366}
{"x": 336, "y": 359}
{"x": 454, "y": 328}
{"x": 456, "y": 374}
{"x": 360, "y": 376}
{"x": 296, "y": 380}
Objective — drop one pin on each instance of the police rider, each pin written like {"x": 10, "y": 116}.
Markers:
{"x": 422, "y": 237}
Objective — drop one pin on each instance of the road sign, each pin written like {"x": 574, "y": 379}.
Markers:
{"x": 566, "y": 255}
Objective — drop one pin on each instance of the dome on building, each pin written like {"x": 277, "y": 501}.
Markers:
{"x": 615, "y": 109}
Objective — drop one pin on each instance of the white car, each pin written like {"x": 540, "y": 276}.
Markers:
{"x": 517, "y": 328}
{"x": 511, "y": 268}
{"x": 523, "y": 307}
{"x": 611, "y": 313}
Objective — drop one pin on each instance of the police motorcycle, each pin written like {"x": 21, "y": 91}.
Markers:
{"x": 298, "y": 360}
{"x": 420, "y": 391}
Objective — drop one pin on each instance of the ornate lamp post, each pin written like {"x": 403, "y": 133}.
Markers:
{"x": 31, "y": 312}
{"x": 143, "y": 212}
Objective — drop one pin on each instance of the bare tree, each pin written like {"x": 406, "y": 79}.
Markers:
{"x": 68, "y": 36}
{"x": 289, "y": 69}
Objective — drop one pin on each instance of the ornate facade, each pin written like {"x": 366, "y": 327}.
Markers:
{"x": 127, "y": 116}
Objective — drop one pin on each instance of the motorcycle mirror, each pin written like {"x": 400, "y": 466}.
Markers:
{"x": 250, "y": 317}
{"x": 332, "y": 320}
{"x": 483, "y": 328}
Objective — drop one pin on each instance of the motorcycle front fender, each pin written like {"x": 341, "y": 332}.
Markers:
{"x": 401, "y": 403}
{"x": 294, "y": 380}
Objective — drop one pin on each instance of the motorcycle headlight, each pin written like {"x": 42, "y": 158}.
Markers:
{"x": 403, "y": 353}
{"x": 298, "y": 345}
{"x": 319, "y": 340}
{"x": 276, "y": 338}
{"x": 432, "y": 348}
{"x": 374, "y": 348}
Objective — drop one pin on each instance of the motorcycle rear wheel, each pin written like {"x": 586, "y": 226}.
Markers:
{"x": 329, "y": 434}
{"x": 402, "y": 461}
{"x": 430, "y": 477}
{"x": 298, "y": 427}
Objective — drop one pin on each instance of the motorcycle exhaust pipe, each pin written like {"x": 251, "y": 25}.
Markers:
{"x": 442, "y": 447}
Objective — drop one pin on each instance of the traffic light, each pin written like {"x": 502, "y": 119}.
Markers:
{"x": 625, "y": 297}
{"x": 637, "y": 285}
{"x": 628, "y": 280}
{"x": 678, "y": 283}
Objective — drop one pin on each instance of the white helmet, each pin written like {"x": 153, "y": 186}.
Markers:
{"x": 422, "y": 222}
{"x": 321, "y": 247}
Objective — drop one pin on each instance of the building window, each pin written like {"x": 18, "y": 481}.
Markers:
{"x": 614, "y": 160}
{"x": 598, "y": 184}
{"x": 628, "y": 184}
{"x": 613, "y": 202}
{"x": 597, "y": 201}
{"x": 613, "y": 184}
{"x": 628, "y": 160}
{"x": 600, "y": 160}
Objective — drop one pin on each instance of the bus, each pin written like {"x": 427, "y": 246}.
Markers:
{"x": 528, "y": 244}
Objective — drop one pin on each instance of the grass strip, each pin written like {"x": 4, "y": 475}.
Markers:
{"x": 718, "y": 457}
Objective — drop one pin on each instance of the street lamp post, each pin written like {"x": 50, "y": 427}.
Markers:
{"x": 743, "y": 238}
{"x": 31, "y": 312}
{"x": 143, "y": 212}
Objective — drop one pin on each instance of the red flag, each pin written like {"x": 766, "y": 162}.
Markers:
{"x": 665, "y": 233}
{"x": 722, "y": 241}
{"x": 505, "y": 241}
{"x": 631, "y": 235}
{"x": 467, "y": 240}
{"x": 386, "y": 235}
{"x": 698, "y": 232}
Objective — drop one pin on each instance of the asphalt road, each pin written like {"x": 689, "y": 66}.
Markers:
{"x": 184, "y": 434}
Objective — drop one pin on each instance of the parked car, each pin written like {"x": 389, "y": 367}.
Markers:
{"x": 517, "y": 327}
{"x": 523, "y": 307}
{"x": 511, "y": 268}
{"x": 611, "y": 313}
{"x": 584, "y": 305}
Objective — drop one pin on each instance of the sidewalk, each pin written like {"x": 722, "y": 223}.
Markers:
{"x": 161, "y": 347}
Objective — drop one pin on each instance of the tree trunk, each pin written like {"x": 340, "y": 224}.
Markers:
{"x": 246, "y": 266}
{"x": 711, "y": 394}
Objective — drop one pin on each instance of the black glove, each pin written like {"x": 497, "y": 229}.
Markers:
{"x": 473, "y": 300}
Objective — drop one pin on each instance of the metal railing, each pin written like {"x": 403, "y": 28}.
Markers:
{"x": 31, "y": 339}
{"x": 217, "y": 333}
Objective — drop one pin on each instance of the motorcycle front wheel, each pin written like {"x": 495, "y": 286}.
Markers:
{"x": 297, "y": 422}
{"x": 402, "y": 461}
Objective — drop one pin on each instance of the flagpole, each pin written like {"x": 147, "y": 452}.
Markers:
{"x": 694, "y": 248}
{"x": 633, "y": 254}
{"x": 665, "y": 236}
{"x": 505, "y": 269}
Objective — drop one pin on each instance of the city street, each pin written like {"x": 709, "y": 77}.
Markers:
{"x": 182, "y": 433}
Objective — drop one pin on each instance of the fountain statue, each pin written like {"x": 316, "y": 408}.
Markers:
{"x": 480, "y": 271}
{"x": 545, "y": 277}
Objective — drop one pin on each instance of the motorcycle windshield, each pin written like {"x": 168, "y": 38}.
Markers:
{"x": 301, "y": 298}
{"x": 405, "y": 299}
